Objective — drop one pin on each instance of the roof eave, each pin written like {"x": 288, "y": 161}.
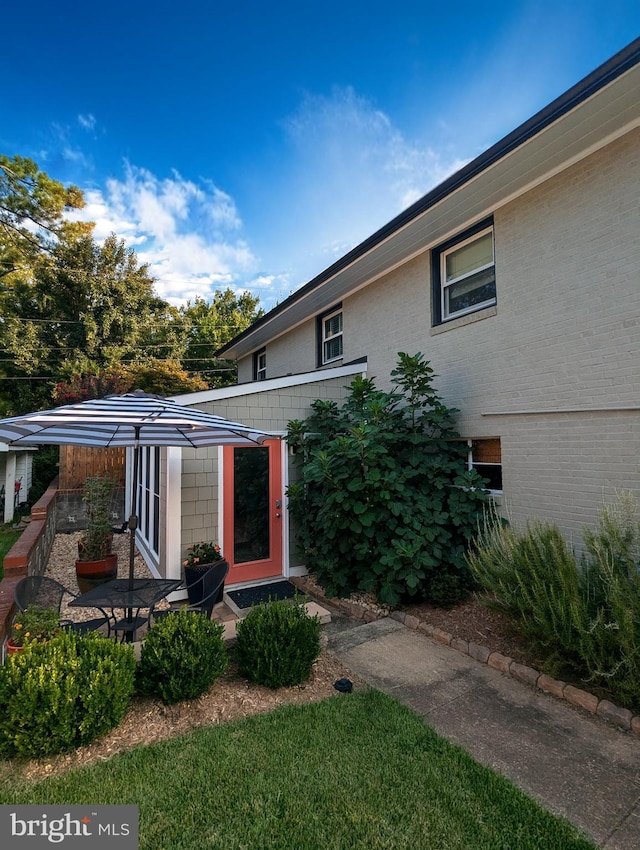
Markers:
{"x": 595, "y": 82}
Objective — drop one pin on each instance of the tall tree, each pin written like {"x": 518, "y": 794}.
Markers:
{"x": 209, "y": 325}
{"x": 87, "y": 307}
{"x": 31, "y": 214}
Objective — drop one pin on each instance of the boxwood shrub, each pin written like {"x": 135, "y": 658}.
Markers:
{"x": 182, "y": 656}
{"x": 277, "y": 643}
{"x": 58, "y": 695}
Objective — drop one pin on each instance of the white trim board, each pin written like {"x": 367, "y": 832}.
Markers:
{"x": 286, "y": 381}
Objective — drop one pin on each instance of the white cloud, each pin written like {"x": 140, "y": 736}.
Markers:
{"x": 344, "y": 171}
{"x": 87, "y": 122}
{"x": 349, "y": 170}
{"x": 188, "y": 233}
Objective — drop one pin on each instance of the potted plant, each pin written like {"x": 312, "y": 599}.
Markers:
{"x": 96, "y": 562}
{"x": 200, "y": 558}
{"x": 33, "y": 624}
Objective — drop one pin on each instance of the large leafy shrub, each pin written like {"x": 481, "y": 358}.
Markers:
{"x": 383, "y": 501}
{"x": 277, "y": 644}
{"x": 582, "y": 617}
{"x": 182, "y": 656}
{"x": 58, "y": 695}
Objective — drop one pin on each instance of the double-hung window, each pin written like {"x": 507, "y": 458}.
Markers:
{"x": 331, "y": 337}
{"x": 485, "y": 456}
{"x": 260, "y": 365}
{"x": 465, "y": 274}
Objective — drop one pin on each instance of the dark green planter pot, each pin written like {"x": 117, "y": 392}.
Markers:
{"x": 195, "y": 585}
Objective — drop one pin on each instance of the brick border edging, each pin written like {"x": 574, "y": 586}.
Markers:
{"x": 17, "y": 559}
{"x": 603, "y": 708}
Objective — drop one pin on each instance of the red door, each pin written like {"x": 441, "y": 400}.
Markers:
{"x": 252, "y": 511}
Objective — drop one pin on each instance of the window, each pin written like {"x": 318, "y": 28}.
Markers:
{"x": 330, "y": 336}
{"x": 464, "y": 274}
{"x": 485, "y": 456}
{"x": 148, "y": 497}
{"x": 260, "y": 365}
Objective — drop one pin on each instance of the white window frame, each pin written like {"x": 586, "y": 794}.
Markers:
{"x": 326, "y": 339}
{"x": 471, "y": 465}
{"x": 148, "y": 498}
{"x": 261, "y": 366}
{"x": 445, "y": 285}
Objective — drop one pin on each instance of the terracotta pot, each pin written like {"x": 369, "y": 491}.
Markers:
{"x": 12, "y": 648}
{"x": 92, "y": 573}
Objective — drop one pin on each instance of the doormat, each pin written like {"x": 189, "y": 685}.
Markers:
{"x": 248, "y": 596}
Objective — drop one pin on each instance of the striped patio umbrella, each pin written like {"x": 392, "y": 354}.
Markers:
{"x": 133, "y": 420}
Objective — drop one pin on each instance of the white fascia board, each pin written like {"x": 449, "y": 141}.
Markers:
{"x": 238, "y": 390}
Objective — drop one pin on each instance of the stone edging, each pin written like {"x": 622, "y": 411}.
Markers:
{"x": 608, "y": 711}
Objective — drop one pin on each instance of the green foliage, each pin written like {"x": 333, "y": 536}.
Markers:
{"x": 277, "y": 644}
{"x": 31, "y": 213}
{"x": 73, "y": 309}
{"x": 532, "y": 577}
{"x": 203, "y": 552}
{"x": 383, "y": 501}
{"x": 34, "y": 624}
{"x": 583, "y": 618}
{"x": 209, "y": 325}
{"x": 358, "y": 772}
{"x": 182, "y": 656}
{"x": 97, "y": 495}
{"x": 163, "y": 377}
{"x": 58, "y": 695}
{"x": 611, "y": 569}
{"x": 45, "y": 470}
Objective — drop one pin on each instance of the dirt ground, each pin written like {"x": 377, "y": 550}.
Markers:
{"x": 473, "y": 621}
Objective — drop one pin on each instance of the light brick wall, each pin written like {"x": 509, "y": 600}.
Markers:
{"x": 565, "y": 335}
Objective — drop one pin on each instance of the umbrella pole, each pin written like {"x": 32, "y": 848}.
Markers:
{"x": 133, "y": 518}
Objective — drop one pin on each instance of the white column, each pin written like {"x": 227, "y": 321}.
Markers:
{"x": 172, "y": 566}
{"x": 9, "y": 486}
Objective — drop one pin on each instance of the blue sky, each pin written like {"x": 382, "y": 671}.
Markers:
{"x": 250, "y": 144}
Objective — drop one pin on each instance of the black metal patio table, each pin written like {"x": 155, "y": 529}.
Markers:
{"x": 132, "y": 596}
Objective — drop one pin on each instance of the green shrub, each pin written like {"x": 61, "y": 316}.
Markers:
{"x": 277, "y": 644}
{"x": 581, "y": 618}
{"x": 533, "y": 577}
{"x": 611, "y": 568}
{"x": 182, "y": 656}
{"x": 34, "y": 623}
{"x": 384, "y": 502}
{"x": 446, "y": 589}
{"x": 58, "y": 695}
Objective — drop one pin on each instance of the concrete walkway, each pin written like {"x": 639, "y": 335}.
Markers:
{"x": 572, "y": 763}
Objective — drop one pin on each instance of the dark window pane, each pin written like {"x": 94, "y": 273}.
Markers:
{"x": 471, "y": 291}
{"x": 251, "y": 504}
{"x": 492, "y": 473}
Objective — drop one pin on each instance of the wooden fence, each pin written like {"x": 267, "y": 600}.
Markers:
{"x": 80, "y": 462}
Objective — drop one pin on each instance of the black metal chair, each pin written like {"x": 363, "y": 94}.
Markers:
{"x": 45, "y": 592}
{"x": 206, "y": 589}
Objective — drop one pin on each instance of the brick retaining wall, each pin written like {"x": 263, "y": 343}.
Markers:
{"x": 29, "y": 554}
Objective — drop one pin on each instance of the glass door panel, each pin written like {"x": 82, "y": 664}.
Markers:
{"x": 252, "y": 511}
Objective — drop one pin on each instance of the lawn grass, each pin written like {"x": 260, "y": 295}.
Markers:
{"x": 8, "y": 536}
{"x": 356, "y": 771}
